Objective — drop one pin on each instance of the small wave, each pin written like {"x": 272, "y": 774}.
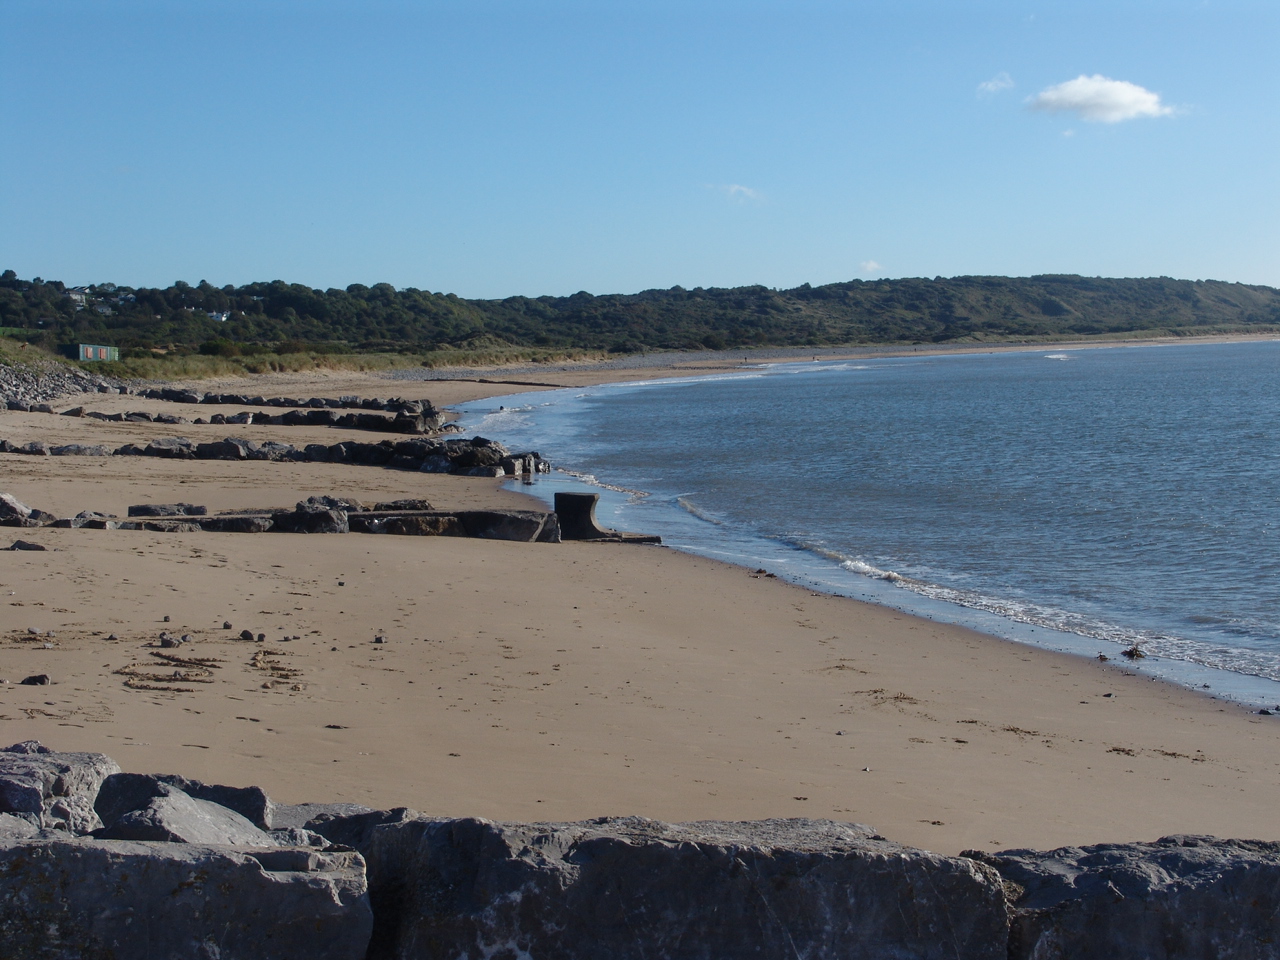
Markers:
{"x": 590, "y": 480}
{"x": 697, "y": 511}
{"x": 1058, "y": 356}
{"x": 1254, "y": 663}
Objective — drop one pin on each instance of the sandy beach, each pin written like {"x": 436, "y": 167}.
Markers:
{"x": 562, "y": 681}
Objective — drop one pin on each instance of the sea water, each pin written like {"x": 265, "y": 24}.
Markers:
{"x": 1085, "y": 500}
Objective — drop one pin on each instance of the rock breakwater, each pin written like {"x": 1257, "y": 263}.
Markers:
{"x": 232, "y": 875}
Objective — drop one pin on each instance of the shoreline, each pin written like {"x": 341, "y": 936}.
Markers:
{"x": 537, "y": 682}
{"x": 1219, "y": 683}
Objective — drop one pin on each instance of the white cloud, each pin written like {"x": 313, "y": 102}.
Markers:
{"x": 1100, "y": 99}
{"x": 737, "y": 191}
{"x": 870, "y": 266}
{"x": 1001, "y": 81}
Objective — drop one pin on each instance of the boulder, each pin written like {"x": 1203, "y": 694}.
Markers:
{"x": 231, "y": 448}
{"x": 316, "y": 520}
{"x": 74, "y": 412}
{"x": 175, "y": 817}
{"x": 272, "y": 450}
{"x": 1179, "y": 898}
{"x": 167, "y": 510}
{"x": 35, "y": 448}
{"x": 125, "y": 793}
{"x": 172, "y": 448}
{"x": 627, "y": 888}
{"x": 11, "y": 508}
{"x": 53, "y": 790}
{"x": 107, "y": 900}
{"x": 26, "y": 545}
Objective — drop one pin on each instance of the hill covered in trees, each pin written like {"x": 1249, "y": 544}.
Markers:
{"x": 230, "y": 319}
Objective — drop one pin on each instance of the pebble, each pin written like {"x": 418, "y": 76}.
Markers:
{"x": 226, "y": 624}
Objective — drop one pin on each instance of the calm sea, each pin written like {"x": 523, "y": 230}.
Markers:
{"x": 1083, "y": 500}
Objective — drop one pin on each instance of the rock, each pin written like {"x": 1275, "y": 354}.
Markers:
{"x": 396, "y": 505}
{"x": 272, "y": 450}
{"x": 41, "y": 408}
{"x": 330, "y": 503}
{"x": 35, "y": 449}
{"x": 126, "y": 793}
{"x": 437, "y": 525}
{"x": 167, "y": 510}
{"x": 634, "y": 888}
{"x": 26, "y": 545}
{"x": 35, "y": 680}
{"x": 81, "y": 450}
{"x": 236, "y": 524}
{"x": 226, "y": 624}
{"x": 11, "y": 508}
{"x": 18, "y": 405}
{"x": 175, "y": 817}
{"x": 163, "y": 526}
{"x": 169, "y": 643}
{"x": 14, "y": 828}
{"x": 246, "y": 635}
{"x": 74, "y": 412}
{"x": 55, "y": 790}
{"x": 312, "y": 520}
{"x": 229, "y": 449}
{"x": 94, "y": 900}
{"x": 1180, "y": 897}
{"x": 173, "y": 448}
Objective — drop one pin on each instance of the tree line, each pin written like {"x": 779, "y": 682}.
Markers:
{"x": 277, "y": 315}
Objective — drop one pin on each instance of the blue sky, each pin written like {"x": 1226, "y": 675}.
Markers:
{"x": 491, "y": 148}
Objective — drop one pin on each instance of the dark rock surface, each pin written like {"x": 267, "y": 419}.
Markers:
{"x": 112, "y": 900}
{"x": 167, "y": 510}
{"x": 52, "y": 790}
{"x": 635, "y": 888}
{"x": 1180, "y": 897}
{"x": 176, "y": 817}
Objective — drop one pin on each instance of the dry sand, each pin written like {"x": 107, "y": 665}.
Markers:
{"x": 543, "y": 681}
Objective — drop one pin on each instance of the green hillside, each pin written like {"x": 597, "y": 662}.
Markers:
{"x": 281, "y": 316}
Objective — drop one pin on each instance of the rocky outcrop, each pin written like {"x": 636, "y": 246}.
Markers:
{"x": 120, "y": 900}
{"x": 52, "y": 791}
{"x": 1180, "y": 897}
{"x": 634, "y": 888}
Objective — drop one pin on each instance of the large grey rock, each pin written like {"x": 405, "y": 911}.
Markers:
{"x": 173, "y": 448}
{"x": 311, "y": 520}
{"x": 110, "y": 900}
{"x": 174, "y": 817}
{"x": 231, "y": 448}
{"x": 11, "y": 508}
{"x": 635, "y": 888}
{"x": 52, "y": 790}
{"x": 1179, "y": 898}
